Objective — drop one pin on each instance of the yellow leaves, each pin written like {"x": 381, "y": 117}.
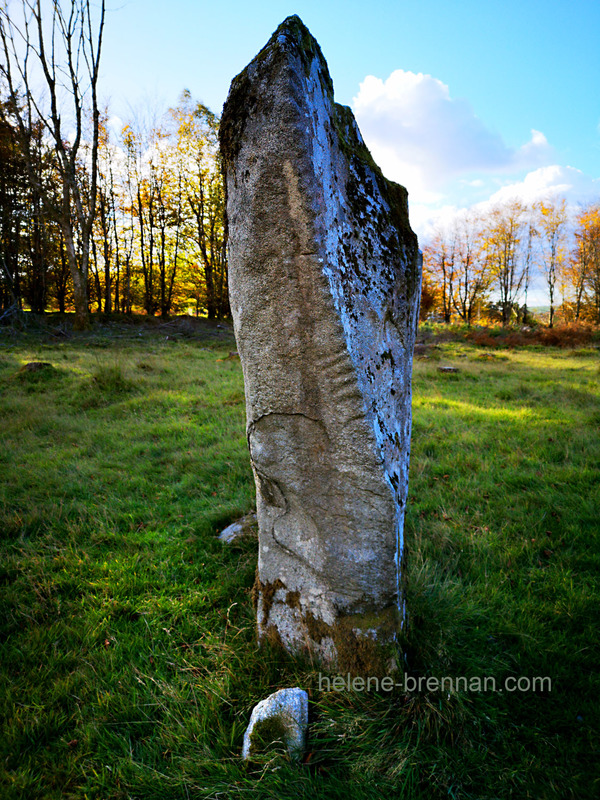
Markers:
{"x": 129, "y": 138}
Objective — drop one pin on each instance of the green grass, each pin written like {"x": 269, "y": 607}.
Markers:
{"x": 128, "y": 663}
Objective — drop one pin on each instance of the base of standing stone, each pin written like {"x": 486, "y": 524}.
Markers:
{"x": 359, "y": 644}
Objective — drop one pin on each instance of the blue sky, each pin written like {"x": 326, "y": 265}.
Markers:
{"x": 461, "y": 102}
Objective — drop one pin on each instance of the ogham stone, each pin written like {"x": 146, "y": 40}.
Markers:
{"x": 324, "y": 282}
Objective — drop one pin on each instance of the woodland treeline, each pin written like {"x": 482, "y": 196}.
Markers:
{"x": 89, "y": 223}
{"x": 132, "y": 221}
{"x": 484, "y": 265}
{"x": 157, "y": 242}
{"x": 157, "y": 238}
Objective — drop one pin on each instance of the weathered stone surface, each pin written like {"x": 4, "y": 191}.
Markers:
{"x": 282, "y": 716}
{"x": 324, "y": 275}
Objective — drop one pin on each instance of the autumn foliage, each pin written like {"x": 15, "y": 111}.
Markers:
{"x": 157, "y": 242}
{"x": 482, "y": 267}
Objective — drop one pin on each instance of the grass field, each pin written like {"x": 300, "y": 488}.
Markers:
{"x": 128, "y": 664}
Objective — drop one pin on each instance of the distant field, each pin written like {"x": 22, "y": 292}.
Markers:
{"x": 128, "y": 665}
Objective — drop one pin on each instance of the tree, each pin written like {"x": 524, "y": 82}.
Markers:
{"x": 140, "y": 204}
{"x": 531, "y": 234}
{"x": 25, "y": 228}
{"x": 196, "y": 130}
{"x": 583, "y": 268}
{"x": 551, "y": 225}
{"x": 66, "y": 50}
{"x": 105, "y": 242}
{"x": 168, "y": 173}
{"x": 455, "y": 270}
{"x": 125, "y": 223}
{"x": 440, "y": 270}
{"x": 428, "y": 297}
{"x": 471, "y": 275}
{"x": 505, "y": 251}
{"x": 13, "y": 211}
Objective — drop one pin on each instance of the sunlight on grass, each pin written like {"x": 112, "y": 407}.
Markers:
{"x": 129, "y": 662}
{"x": 470, "y": 410}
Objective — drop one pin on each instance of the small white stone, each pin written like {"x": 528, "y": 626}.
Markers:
{"x": 288, "y": 709}
{"x": 242, "y": 527}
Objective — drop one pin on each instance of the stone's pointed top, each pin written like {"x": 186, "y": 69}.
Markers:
{"x": 293, "y": 25}
{"x": 291, "y": 48}
{"x": 292, "y": 35}
{"x": 292, "y": 29}
{"x": 294, "y": 38}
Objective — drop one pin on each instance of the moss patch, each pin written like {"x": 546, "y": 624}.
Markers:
{"x": 268, "y": 734}
{"x": 267, "y": 592}
{"x": 292, "y": 599}
{"x": 359, "y": 654}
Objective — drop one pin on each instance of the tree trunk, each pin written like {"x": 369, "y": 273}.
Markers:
{"x": 79, "y": 278}
{"x": 82, "y": 321}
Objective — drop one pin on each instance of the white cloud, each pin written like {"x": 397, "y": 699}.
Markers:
{"x": 545, "y": 183}
{"x": 553, "y": 181}
{"x": 422, "y": 137}
{"x": 115, "y": 123}
{"x": 541, "y": 184}
{"x": 475, "y": 184}
{"x": 424, "y": 219}
{"x": 448, "y": 159}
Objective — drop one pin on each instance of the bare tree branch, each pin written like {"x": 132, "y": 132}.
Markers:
{"x": 70, "y": 48}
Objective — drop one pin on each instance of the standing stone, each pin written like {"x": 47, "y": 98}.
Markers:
{"x": 324, "y": 277}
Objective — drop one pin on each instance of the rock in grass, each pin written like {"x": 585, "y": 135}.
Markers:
{"x": 36, "y": 366}
{"x": 242, "y": 528}
{"x": 282, "y": 716}
{"x": 35, "y": 372}
{"x": 324, "y": 279}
